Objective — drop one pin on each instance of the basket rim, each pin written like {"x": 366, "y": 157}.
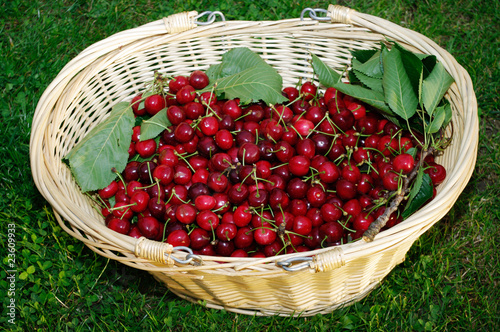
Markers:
{"x": 97, "y": 238}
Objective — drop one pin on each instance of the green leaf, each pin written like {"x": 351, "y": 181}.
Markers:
{"x": 104, "y": 147}
{"x": 353, "y": 79}
{"x": 420, "y": 193}
{"x": 370, "y": 82}
{"x": 448, "y": 114}
{"x": 437, "y": 121}
{"x": 245, "y": 75}
{"x": 413, "y": 67}
{"x": 417, "y": 184}
{"x": 428, "y": 61}
{"x": 412, "y": 152}
{"x": 398, "y": 89}
{"x": 374, "y": 98}
{"x": 257, "y": 83}
{"x": 435, "y": 86}
{"x": 364, "y": 55}
{"x": 153, "y": 126}
{"x": 234, "y": 61}
{"x": 372, "y": 67}
{"x": 326, "y": 75}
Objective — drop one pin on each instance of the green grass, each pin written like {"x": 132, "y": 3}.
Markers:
{"x": 448, "y": 282}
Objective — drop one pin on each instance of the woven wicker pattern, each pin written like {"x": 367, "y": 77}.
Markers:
{"x": 116, "y": 68}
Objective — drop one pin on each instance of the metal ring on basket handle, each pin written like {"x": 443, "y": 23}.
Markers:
{"x": 326, "y": 261}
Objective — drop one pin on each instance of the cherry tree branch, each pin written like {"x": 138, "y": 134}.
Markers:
{"x": 380, "y": 222}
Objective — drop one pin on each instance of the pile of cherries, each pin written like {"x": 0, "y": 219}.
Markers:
{"x": 259, "y": 180}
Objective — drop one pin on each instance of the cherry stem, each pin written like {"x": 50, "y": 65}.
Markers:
{"x": 121, "y": 207}
{"x": 220, "y": 208}
{"x": 99, "y": 202}
{"x": 246, "y": 177}
{"x": 114, "y": 170}
{"x": 187, "y": 162}
{"x": 316, "y": 126}
{"x": 278, "y": 166}
{"x": 159, "y": 195}
{"x": 123, "y": 215}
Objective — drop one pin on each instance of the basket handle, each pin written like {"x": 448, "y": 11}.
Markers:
{"x": 340, "y": 14}
{"x": 322, "y": 262}
{"x": 161, "y": 252}
{"x": 180, "y": 22}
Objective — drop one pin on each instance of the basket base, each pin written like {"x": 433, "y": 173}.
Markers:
{"x": 275, "y": 310}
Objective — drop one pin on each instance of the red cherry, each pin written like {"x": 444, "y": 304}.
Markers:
{"x": 186, "y": 213}
{"x": 186, "y": 94}
{"x": 178, "y": 238}
{"x": 209, "y": 125}
{"x": 316, "y": 196}
{"x": 330, "y": 233}
{"x": 207, "y": 220}
{"x": 249, "y": 153}
{"x": 391, "y": 181}
{"x": 291, "y": 93}
{"x": 303, "y": 126}
{"x": 346, "y": 190}
{"x": 177, "y": 83}
{"x": 154, "y": 104}
{"x": 242, "y": 216}
{"x": 121, "y": 226}
{"x": 204, "y": 202}
{"x": 176, "y": 115}
{"x": 198, "y": 238}
{"x": 437, "y": 172}
{"x": 232, "y": 108}
{"x": 302, "y": 225}
{"x": 352, "y": 207}
{"x": 109, "y": 191}
{"x": 198, "y": 79}
{"x": 306, "y": 147}
{"x": 136, "y": 105}
{"x": 265, "y": 235}
{"x": 403, "y": 163}
{"x": 149, "y": 227}
{"x": 244, "y": 237}
{"x": 141, "y": 199}
{"x": 284, "y": 151}
{"x": 358, "y": 110}
{"x": 332, "y": 93}
{"x": 194, "y": 110}
{"x": 136, "y": 134}
{"x": 330, "y": 212}
{"x": 135, "y": 232}
{"x": 387, "y": 145}
{"x": 226, "y": 232}
{"x": 362, "y": 221}
{"x": 164, "y": 174}
{"x": 299, "y": 165}
{"x": 308, "y": 91}
{"x": 122, "y": 210}
{"x": 184, "y": 132}
{"x": 146, "y": 148}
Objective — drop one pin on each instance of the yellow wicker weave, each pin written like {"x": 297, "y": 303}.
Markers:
{"x": 115, "y": 69}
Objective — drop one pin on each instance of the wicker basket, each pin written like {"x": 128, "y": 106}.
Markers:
{"x": 116, "y": 68}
